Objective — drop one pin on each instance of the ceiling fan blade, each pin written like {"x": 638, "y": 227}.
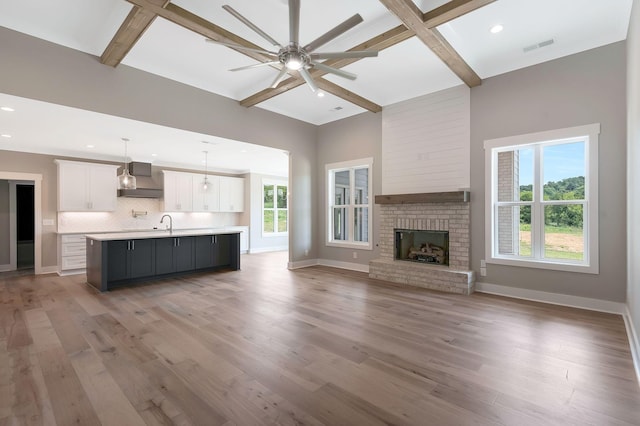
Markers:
{"x": 261, "y": 64}
{"x": 347, "y": 54}
{"x": 239, "y": 47}
{"x": 332, "y": 70}
{"x": 279, "y": 77}
{"x": 307, "y": 77}
{"x": 331, "y": 34}
{"x": 294, "y": 22}
{"x": 251, "y": 25}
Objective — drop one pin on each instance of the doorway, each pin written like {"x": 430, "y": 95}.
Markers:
{"x": 30, "y": 218}
{"x": 25, "y": 226}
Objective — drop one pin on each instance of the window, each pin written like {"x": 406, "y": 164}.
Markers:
{"x": 274, "y": 209}
{"x": 542, "y": 199}
{"x": 349, "y": 204}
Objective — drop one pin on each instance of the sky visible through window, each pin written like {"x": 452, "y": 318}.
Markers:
{"x": 560, "y": 162}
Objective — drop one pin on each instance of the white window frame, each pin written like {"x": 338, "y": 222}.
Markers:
{"x": 590, "y": 135}
{"x": 276, "y": 184}
{"x": 330, "y": 170}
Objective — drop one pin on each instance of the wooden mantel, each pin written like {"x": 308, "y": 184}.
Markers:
{"x": 425, "y": 197}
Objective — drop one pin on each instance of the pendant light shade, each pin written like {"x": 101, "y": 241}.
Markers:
{"x": 206, "y": 185}
{"x": 125, "y": 180}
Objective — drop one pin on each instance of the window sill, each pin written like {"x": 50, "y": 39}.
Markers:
{"x": 554, "y": 266}
{"x": 275, "y": 234}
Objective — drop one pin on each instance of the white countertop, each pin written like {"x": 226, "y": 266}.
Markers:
{"x": 139, "y": 235}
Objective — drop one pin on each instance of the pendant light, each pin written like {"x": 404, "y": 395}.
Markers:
{"x": 206, "y": 185}
{"x": 125, "y": 180}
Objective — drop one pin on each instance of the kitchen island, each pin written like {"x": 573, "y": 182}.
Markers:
{"x": 119, "y": 259}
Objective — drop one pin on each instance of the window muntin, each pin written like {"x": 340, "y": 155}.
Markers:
{"x": 275, "y": 214}
{"x": 349, "y": 204}
{"x": 542, "y": 200}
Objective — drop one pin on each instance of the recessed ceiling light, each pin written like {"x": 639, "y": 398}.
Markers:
{"x": 496, "y": 29}
{"x": 6, "y": 108}
{"x": 6, "y": 135}
{"x": 320, "y": 94}
{"x": 244, "y": 150}
{"x": 154, "y": 155}
{"x": 91, "y": 146}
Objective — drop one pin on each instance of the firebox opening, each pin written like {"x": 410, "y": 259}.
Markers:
{"x": 422, "y": 246}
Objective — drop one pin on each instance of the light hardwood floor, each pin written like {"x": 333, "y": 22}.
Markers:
{"x": 265, "y": 345}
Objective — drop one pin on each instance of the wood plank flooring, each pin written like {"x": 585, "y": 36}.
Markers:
{"x": 317, "y": 346}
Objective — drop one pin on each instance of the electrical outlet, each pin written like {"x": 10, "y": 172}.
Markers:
{"x": 483, "y": 263}
{"x": 483, "y": 272}
{"x": 355, "y": 254}
{"x": 306, "y": 252}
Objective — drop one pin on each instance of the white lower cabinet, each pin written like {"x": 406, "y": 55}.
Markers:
{"x": 72, "y": 258}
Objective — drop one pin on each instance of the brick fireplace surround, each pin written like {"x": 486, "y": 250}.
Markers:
{"x": 441, "y": 211}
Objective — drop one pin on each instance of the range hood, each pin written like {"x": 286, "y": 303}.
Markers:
{"x": 146, "y": 186}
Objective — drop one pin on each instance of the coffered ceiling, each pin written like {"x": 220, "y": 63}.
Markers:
{"x": 424, "y": 46}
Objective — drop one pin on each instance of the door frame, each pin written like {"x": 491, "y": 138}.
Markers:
{"x": 27, "y": 178}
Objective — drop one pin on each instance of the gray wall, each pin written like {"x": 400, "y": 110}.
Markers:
{"x": 256, "y": 241}
{"x": 584, "y": 88}
{"x": 633, "y": 164}
{"x": 4, "y": 223}
{"x": 349, "y": 139}
{"x": 36, "y": 69}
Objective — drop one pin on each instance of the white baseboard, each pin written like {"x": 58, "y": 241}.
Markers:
{"x": 302, "y": 264}
{"x": 634, "y": 343}
{"x": 48, "y": 270}
{"x": 5, "y": 268}
{"x": 268, "y": 249}
{"x": 553, "y": 298}
{"x": 344, "y": 265}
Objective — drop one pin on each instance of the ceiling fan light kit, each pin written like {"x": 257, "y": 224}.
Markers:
{"x": 294, "y": 57}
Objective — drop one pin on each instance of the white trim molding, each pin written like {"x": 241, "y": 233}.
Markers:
{"x": 634, "y": 343}
{"x": 344, "y": 265}
{"x": 37, "y": 195}
{"x": 7, "y": 267}
{"x": 553, "y": 298}
{"x": 302, "y": 264}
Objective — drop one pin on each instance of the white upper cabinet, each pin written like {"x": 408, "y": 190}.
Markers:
{"x": 178, "y": 191}
{"x": 231, "y": 194}
{"x": 86, "y": 186}
{"x": 206, "y": 200}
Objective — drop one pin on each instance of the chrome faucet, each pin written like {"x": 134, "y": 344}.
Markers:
{"x": 170, "y": 222}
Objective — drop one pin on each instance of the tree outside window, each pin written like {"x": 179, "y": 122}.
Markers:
{"x": 275, "y": 219}
{"x": 542, "y": 206}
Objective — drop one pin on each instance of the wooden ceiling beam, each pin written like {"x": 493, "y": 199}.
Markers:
{"x": 379, "y": 42}
{"x": 343, "y": 93}
{"x": 132, "y": 28}
{"x": 451, "y": 10}
{"x": 412, "y": 17}
{"x": 190, "y": 21}
{"x": 201, "y": 26}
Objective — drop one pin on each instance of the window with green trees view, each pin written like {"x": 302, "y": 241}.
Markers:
{"x": 274, "y": 211}
{"x": 542, "y": 206}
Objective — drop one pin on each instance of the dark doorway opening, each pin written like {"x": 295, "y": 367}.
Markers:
{"x": 25, "y": 226}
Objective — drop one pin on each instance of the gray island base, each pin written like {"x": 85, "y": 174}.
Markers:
{"x": 119, "y": 259}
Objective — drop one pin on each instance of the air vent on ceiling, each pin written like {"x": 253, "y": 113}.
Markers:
{"x": 538, "y": 45}
{"x": 338, "y": 108}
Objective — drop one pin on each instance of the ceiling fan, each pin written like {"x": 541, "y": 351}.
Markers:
{"x": 293, "y": 56}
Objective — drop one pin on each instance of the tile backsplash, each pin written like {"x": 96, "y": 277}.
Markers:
{"x": 122, "y": 218}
